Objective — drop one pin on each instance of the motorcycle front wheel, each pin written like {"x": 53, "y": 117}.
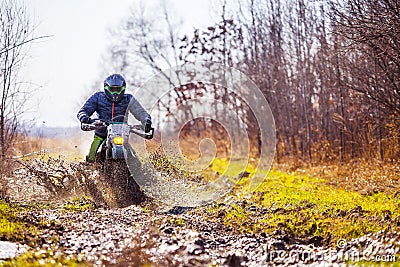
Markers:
{"x": 125, "y": 191}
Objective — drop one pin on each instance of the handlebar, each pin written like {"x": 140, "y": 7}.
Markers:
{"x": 100, "y": 125}
{"x": 96, "y": 125}
{"x": 138, "y": 130}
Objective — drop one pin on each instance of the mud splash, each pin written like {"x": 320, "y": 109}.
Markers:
{"x": 57, "y": 180}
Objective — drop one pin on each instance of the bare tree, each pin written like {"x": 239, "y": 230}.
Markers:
{"x": 16, "y": 33}
{"x": 332, "y": 81}
{"x": 370, "y": 53}
{"x": 148, "y": 41}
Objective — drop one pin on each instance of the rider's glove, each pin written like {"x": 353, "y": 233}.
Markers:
{"x": 86, "y": 120}
{"x": 147, "y": 125}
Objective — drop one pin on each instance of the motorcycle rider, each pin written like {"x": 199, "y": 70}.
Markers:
{"x": 111, "y": 105}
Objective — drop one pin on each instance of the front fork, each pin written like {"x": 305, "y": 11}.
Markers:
{"x": 120, "y": 152}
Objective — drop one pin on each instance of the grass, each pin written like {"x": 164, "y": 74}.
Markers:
{"x": 376, "y": 264}
{"x": 44, "y": 258}
{"x": 11, "y": 227}
{"x": 80, "y": 204}
{"x": 178, "y": 222}
{"x": 48, "y": 147}
{"x": 305, "y": 206}
{"x": 14, "y": 229}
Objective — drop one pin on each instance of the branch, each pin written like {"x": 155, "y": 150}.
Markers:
{"x": 22, "y": 43}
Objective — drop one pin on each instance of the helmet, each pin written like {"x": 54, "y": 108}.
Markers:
{"x": 114, "y": 87}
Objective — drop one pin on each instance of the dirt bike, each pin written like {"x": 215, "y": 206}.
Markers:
{"x": 112, "y": 156}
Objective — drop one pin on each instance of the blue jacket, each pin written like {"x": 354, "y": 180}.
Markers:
{"x": 100, "y": 104}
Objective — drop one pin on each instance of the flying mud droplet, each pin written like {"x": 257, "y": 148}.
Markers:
{"x": 205, "y": 114}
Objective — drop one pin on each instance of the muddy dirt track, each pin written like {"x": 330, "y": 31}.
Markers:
{"x": 152, "y": 233}
{"x": 134, "y": 236}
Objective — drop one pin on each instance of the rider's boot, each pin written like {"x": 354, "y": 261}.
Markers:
{"x": 88, "y": 160}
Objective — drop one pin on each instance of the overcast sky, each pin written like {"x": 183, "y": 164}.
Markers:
{"x": 66, "y": 65}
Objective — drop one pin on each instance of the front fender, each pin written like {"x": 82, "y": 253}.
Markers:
{"x": 125, "y": 152}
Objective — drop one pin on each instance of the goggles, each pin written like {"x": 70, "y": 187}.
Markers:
{"x": 114, "y": 89}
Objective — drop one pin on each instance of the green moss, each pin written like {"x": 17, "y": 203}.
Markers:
{"x": 11, "y": 227}
{"x": 44, "y": 258}
{"x": 34, "y": 205}
{"x": 178, "y": 221}
{"x": 147, "y": 209}
{"x": 80, "y": 204}
{"x": 365, "y": 263}
{"x": 307, "y": 206}
{"x": 238, "y": 217}
{"x": 283, "y": 189}
{"x": 230, "y": 168}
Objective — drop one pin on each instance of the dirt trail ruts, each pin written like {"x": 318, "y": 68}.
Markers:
{"x": 135, "y": 235}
